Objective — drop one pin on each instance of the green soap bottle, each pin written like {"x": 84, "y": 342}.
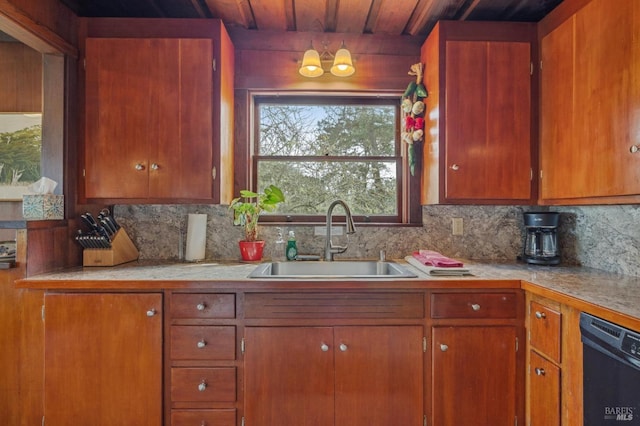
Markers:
{"x": 292, "y": 248}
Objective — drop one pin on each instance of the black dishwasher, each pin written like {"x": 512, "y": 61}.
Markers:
{"x": 611, "y": 373}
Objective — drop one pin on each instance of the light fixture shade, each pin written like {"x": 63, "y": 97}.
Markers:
{"x": 342, "y": 64}
{"x": 311, "y": 65}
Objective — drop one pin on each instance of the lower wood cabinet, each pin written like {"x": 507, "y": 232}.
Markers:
{"x": 544, "y": 391}
{"x": 477, "y": 365}
{"x": 103, "y": 359}
{"x": 351, "y": 375}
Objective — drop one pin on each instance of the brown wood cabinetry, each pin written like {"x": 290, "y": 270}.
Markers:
{"x": 158, "y": 104}
{"x": 332, "y": 370}
{"x": 554, "y": 374}
{"x": 544, "y": 361}
{"x": 476, "y": 362}
{"x": 478, "y": 137}
{"x": 590, "y": 95}
{"x": 202, "y": 378}
{"x": 21, "y": 76}
{"x": 103, "y": 359}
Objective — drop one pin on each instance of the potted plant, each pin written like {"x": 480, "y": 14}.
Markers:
{"x": 247, "y": 208}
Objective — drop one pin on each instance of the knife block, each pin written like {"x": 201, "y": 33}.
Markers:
{"x": 122, "y": 250}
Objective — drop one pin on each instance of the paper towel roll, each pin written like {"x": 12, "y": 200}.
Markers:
{"x": 196, "y": 237}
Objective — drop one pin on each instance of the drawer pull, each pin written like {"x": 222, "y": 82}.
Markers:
{"x": 475, "y": 307}
{"x": 201, "y": 344}
{"x": 324, "y": 347}
{"x": 151, "y": 312}
{"x": 201, "y": 306}
{"x": 139, "y": 167}
{"x": 343, "y": 347}
{"x": 541, "y": 315}
{"x": 202, "y": 386}
{"x": 540, "y": 371}
{"x": 443, "y": 347}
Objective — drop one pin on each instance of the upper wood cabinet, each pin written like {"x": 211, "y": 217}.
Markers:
{"x": 590, "y": 105}
{"x": 478, "y": 137}
{"x": 158, "y": 111}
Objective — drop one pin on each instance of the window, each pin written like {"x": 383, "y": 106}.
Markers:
{"x": 319, "y": 149}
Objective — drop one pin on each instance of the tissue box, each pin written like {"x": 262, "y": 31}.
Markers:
{"x": 43, "y": 206}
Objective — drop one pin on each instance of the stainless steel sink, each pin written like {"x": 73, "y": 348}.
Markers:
{"x": 339, "y": 269}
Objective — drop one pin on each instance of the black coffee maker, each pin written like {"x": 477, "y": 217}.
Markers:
{"x": 541, "y": 242}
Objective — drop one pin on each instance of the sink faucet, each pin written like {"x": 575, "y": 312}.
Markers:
{"x": 329, "y": 248}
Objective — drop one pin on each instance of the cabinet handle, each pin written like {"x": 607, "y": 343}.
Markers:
{"x": 540, "y": 315}
{"x": 139, "y": 166}
{"x": 154, "y": 166}
{"x": 201, "y": 344}
{"x": 634, "y": 149}
{"x": 540, "y": 371}
{"x": 324, "y": 347}
{"x": 343, "y": 347}
{"x": 475, "y": 307}
{"x": 151, "y": 312}
{"x": 202, "y": 386}
{"x": 443, "y": 347}
{"x": 454, "y": 167}
{"x": 201, "y": 306}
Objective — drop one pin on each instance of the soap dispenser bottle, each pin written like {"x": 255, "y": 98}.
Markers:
{"x": 292, "y": 248}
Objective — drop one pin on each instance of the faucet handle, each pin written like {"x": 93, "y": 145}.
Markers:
{"x": 383, "y": 256}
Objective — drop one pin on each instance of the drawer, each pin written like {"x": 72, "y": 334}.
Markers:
{"x": 206, "y": 342}
{"x": 474, "y": 305}
{"x": 334, "y": 305}
{"x": 203, "y": 384}
{"x": 222, "y": 417}
{"x": 544, "y": 330}
{"x": 202, "y": 305}
{"x": 544, "y": 391}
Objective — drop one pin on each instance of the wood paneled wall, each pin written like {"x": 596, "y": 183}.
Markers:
{"x": 21, "y": 76}
{"x": 45, "y": 25}
{"x": 269, "y": 61}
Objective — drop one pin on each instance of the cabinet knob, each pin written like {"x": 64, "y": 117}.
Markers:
{"x": 154, "y": 166}
{"x": 634, "y": 149}
{"x": 454, "y": 167}
{"x": 540, "y": 371}
{"x": 475, "y": 307}
{"x": 202, "y": 386}
{"x": 540, "y": 315}
{"x": 201, "y": 306}
{"x": 324, "y": 347}
{"x": 343, "y": 347}
{"x": 443, "y": 347}
{"x": 139, "y": 166}
{"x": 151, "y": 312}
{"x": 201, "y": 344}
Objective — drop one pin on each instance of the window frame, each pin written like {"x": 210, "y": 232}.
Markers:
{"x": 408, "y": 187}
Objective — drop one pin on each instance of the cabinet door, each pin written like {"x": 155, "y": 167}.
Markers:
{"x": 559, "y": 157}
{"x": 379, "y": 376}
{"x": 289, "y": 376}
{"x": 103, "y": 359}
{"x": 544, "y": 392}
{"x": 148, "y": 131}
{"x": 474, "y": 376}
{"x": 591, "y": 103}
{"x": 131, "y": 103}
{"x": 488, "y": 120}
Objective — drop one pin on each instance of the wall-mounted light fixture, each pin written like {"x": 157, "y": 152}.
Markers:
{"x": 315, "y": 64}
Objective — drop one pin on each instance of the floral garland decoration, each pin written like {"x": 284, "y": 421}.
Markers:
{"x": 413, "y": 109}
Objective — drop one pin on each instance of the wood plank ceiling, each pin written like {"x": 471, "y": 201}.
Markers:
{"x": 385, "y": 17}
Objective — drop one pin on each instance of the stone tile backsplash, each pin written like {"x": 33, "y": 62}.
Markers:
{"x": 602, "y": 237}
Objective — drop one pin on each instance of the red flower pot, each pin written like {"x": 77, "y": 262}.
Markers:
{"x": 251, "y": 250}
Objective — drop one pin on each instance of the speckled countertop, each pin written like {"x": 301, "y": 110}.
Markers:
{"x": 581, "y": 287}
